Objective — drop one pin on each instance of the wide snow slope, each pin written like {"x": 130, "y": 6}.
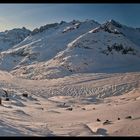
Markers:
{"x": 45, "y": 44}
{"x": 101, "y": 50}
{"x": 99, "y": 85}
{"x": 45, "y": 112}
{"x": 12, "y": 37}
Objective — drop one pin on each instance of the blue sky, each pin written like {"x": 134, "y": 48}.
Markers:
{"x": 36, "y": 15}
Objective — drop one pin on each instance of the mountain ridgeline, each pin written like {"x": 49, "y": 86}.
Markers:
{"x": 62, "y": 49}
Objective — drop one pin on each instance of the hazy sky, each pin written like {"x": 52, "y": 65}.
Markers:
{"x": 35, "y": 15}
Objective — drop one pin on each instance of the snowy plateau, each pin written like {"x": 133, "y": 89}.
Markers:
{"x": 78, "y": 78}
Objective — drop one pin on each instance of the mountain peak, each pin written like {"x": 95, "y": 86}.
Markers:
{"x": 74, "y": 21}
{"x": 115, "y": 23}
{"x": 63, "y": 22}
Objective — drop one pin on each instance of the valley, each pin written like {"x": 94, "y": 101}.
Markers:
{"x": 78, "y": 78}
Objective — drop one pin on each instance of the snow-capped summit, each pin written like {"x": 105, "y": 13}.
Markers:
{"x": 43, "y": 28}
{"x": 9, "y": 38}
{"x": 131, "y": 33}
{"x": 115, "y": 23}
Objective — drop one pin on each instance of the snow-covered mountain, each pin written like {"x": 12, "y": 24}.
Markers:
{"x": 44, "y": 43}
{"x": 61, "y": 49}
{"x": 132, "y": 34}
{"x": 9, "y": 38}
